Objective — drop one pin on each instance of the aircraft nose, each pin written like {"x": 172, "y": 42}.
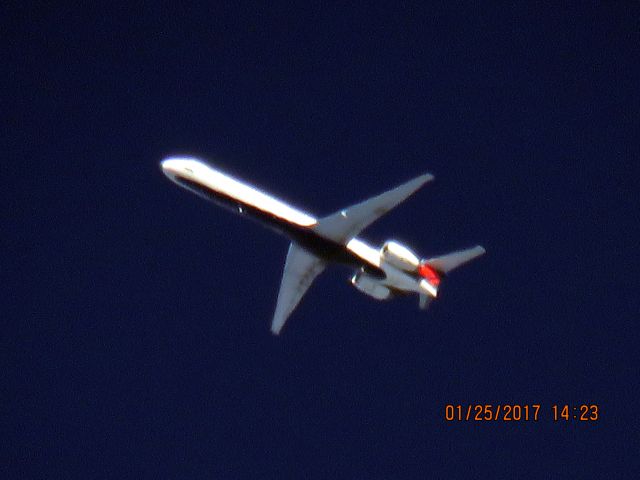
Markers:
{"x": 179, "y": 166}
{"x": 170, "y": 166}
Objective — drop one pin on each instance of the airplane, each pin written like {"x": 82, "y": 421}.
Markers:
{"x": 382, "y": 273}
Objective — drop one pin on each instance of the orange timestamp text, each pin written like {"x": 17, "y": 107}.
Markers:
{"x": 519, "y": 412}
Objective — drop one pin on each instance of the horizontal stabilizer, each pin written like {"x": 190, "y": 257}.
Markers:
{"x": 342, "y": 226}
{"x": 425, "y": 301}
{"x": 450, "y": 261}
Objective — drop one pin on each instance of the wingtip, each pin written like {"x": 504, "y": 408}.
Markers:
{"x": 276, "y": 326}
{"x": 426, "y": 177}
{"x": 420, "y": 180}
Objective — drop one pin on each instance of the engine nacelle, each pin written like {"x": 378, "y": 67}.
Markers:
{"x": 399, "y": 256}
{"x": 370, "y": 285}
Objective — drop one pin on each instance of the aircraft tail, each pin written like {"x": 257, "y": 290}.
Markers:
{"x": 450, "y": 261}
{"x": 433, "y": 269}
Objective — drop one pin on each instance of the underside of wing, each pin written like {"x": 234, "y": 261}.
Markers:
{"x": 346, "y": 224}
{"x": 300, "y": 269}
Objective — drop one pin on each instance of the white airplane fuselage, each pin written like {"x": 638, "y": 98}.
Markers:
{"x": 243, "y": 199}
{"x": 381, "y": 273}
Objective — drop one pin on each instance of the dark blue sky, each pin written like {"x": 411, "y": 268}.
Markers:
{"x": 136, "y": 319}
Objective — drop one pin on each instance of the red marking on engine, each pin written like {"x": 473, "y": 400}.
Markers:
{"x": 429, "y": 274}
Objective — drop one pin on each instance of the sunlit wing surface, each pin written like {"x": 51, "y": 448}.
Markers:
{"x": 300, "y": 269}
{"x": 346, "y": 224}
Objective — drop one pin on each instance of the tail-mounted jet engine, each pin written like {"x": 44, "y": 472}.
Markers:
{"x": 370, "y": 285}
{"x": 399, "y": 256}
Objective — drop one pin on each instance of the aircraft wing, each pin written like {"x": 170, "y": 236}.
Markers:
{"x": 300, "y": 269}
{"x": 346, "y": 224}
